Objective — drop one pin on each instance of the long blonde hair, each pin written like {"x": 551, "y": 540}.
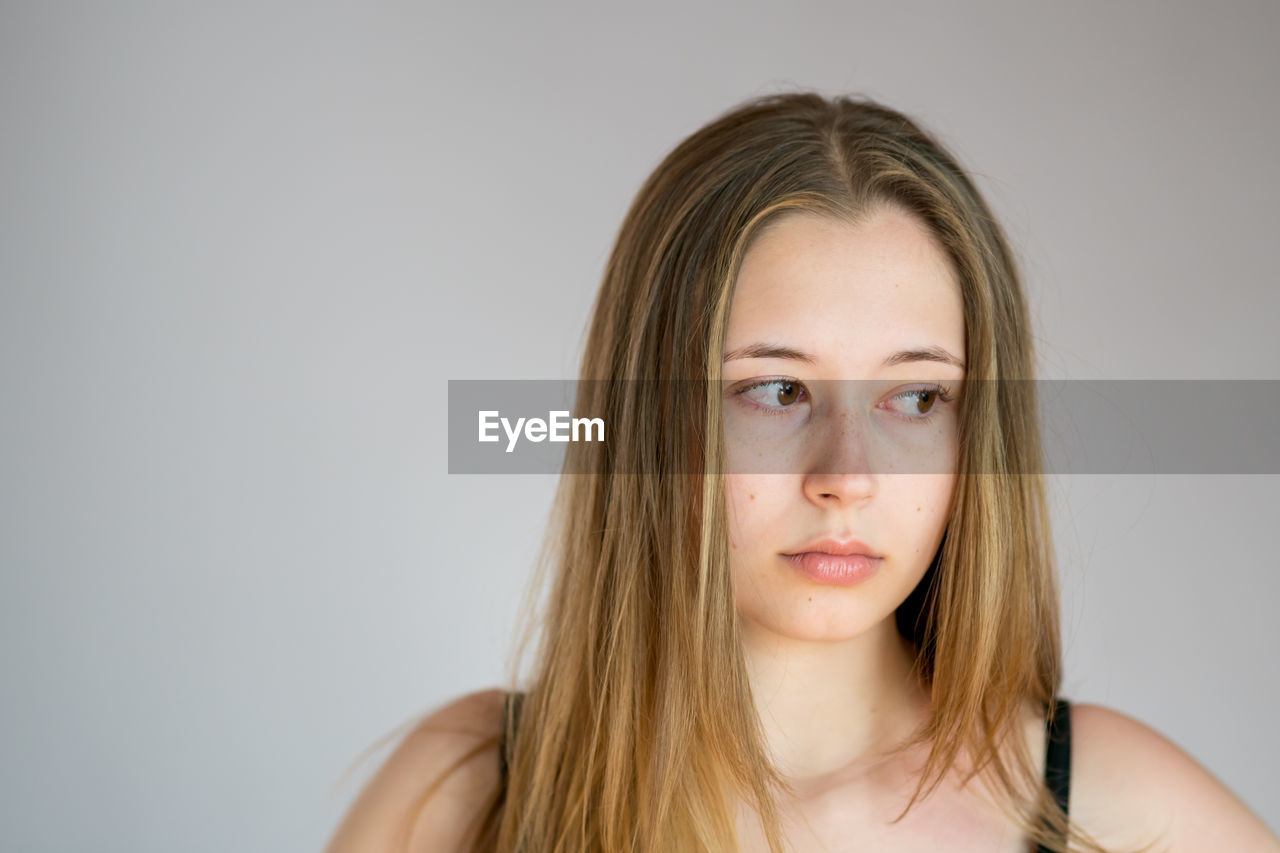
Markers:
{"x": 639, "y": 720}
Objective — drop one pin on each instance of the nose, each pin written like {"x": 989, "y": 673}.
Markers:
{"x": 840, "y": 474}
{"x": 839, "y": 489}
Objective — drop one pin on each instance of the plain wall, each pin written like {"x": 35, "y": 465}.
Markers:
{"x": 244, "y": 246}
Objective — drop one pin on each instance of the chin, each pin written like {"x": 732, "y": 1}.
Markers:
{"x": 818, "y": 616}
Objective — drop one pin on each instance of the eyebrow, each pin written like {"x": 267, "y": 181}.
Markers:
{"x": 905, "y": 356}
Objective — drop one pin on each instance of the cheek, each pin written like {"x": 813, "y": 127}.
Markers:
{"x": 744, "y": 502}
{"x": 921, "y": 503}
{"x": 760, "y": 518}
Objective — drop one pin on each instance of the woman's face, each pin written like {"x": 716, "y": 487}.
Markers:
{"x": 810, "y": 458}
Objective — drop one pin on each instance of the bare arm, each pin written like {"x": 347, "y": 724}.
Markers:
{"x": 1131, "y": 786}
{"x": 386, "y": 813}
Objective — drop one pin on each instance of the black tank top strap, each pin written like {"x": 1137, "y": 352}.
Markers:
{"x": 1057, "y": 759}
{"x": 512, "y": 702}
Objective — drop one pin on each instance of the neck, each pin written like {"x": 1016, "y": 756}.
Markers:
{"x": 828, "y": 707}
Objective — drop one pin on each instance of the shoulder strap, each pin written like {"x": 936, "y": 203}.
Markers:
{"x": 1057, "y": 764}
{"x": 1057, "y": 758}
{"x": 513, "y": 701}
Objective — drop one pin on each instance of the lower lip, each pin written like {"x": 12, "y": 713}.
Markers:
{"x": 840, "y": 570}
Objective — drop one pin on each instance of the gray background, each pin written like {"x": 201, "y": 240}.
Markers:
{"x": 243, "y": 247}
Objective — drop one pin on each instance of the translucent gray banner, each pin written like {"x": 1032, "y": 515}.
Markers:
{"x": 781, "y": 426}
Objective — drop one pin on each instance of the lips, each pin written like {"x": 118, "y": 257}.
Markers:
{"x": 836, "y": 547}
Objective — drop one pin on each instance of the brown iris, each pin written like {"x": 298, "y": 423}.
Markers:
{"x": 925, "y": 400}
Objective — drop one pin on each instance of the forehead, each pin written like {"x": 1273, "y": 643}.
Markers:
{"x": 847, "y": 293}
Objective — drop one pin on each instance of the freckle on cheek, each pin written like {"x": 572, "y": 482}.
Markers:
{"x": 753, "y": 497}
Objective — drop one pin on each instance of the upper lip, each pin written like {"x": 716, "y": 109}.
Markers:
{"x": 839, "y": 547}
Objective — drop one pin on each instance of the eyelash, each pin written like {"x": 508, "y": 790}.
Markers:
{"x": 943, "y": 394}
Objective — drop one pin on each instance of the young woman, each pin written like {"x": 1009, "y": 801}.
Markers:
{"x": 806, "y": 599}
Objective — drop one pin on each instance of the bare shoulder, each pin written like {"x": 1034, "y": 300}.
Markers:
{"x": 1132, "y": 786}
{"x": 455, "y": 746}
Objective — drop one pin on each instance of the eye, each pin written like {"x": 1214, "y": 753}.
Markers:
{"x": 920, "y": 402}
{"x": 775, "y": 396}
